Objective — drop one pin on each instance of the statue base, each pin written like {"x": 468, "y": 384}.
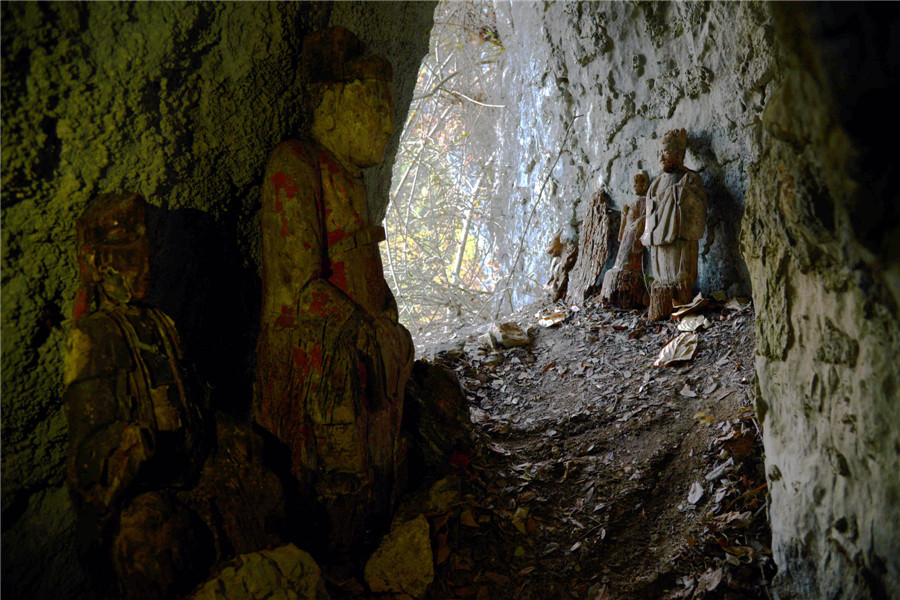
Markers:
{"x": 663, "y": 296}
{"x": 624, "y": 289}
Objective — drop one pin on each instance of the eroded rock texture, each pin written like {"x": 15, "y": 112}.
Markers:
{"x": 820, "y": 238}
{"x": 181, "y": 103}
{"x": 633, "y": 71}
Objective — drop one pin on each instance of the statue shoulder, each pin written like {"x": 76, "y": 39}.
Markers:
{"x": 299, "y": 151}
{"x": 693, "y": 178}
{"x": 95, "y": 347}
{"x": 293, "y": 169}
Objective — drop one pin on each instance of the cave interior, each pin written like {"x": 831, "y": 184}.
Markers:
{"x": 786, "y": 108}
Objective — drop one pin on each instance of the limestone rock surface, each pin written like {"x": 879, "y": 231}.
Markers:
{"x": 403, "y": 563}
{"x": 826, "y": 294}
{"x": 285, "y": 573}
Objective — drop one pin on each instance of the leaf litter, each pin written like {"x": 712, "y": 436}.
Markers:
{"x": 596, "y": 475}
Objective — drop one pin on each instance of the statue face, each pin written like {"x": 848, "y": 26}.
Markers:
{"x": 125, "y": 268}
{"x": 363, "y": 121}
{"x": 670, "y": 157}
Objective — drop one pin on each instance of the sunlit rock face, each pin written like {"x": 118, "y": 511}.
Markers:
{"x": 181, "y": 103}
{"x": 632, "y": 70}
{"x": 820, "y": 236}
{"x": 789, "y": 142}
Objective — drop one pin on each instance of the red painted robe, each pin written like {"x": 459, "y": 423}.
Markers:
{"x": 333, "y": 360}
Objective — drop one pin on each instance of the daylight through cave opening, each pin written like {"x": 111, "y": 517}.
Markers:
{"x": 448, "y": 239}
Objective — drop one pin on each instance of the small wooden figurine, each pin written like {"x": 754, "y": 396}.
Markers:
{"x": 623, "y": 285}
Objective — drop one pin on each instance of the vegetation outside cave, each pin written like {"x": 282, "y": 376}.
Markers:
{"x": 442, "y": 257}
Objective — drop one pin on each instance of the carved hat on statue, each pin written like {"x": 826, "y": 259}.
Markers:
{"x": 336, "y": 55}
{"x": 676, "y": 139}
{"x": 111, "y": 235}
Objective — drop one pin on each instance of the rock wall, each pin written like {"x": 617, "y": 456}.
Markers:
{"x": 181, "y": 102}
{"x": 822, "y": 241}
{"x": 787, "y": 137}
{"x": 589, "y": 87}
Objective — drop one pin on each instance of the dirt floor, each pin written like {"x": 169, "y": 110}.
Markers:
{"x": 596, "y": 475}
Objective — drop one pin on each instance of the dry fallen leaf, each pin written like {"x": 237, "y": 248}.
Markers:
{"x": 468, "y": 519}
{"x": 734, "y": 520}
{"x": 696, "y": 493}
{"x": 693, "y": 323}
{"x": 693, "y": 306}
{"x": 710, "y": 580}
{"x": 549, "y": 320}
{"x": 737, "y": 304}
{"x": 680, "y": 349}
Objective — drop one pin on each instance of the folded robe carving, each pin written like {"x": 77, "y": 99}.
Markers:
{"x": 333, "y": 360}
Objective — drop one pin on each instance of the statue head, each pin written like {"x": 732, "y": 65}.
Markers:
{"x": 350, "y": 96}
{"x": 113, "y": 251}
{"x": 671, "y": 150}
{"x": 641, "y": 183}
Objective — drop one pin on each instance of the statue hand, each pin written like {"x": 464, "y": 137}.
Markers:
{"x": 136, "y": 446}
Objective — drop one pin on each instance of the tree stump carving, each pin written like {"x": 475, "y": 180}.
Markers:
{"x": 593, "y": 250}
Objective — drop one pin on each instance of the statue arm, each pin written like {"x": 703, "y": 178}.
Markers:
{"x": 692, "y": 204}
{"x": 292, "y": 225}
{"x": 624, "y": 221}
{"x": 649, "y": 220}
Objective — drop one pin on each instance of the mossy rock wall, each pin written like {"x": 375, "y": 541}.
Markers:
{"x": 181, "y": 102}
{"x": 821, "y": 237}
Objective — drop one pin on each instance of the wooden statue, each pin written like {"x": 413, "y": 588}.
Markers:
{"x": 623, "y": 285}
{"x": 676, "y": 220}
{"x": 564, "y": 251}
{"x": 157, "y": 505}
{"x": 593, "y": 249}
{"x": 333, "y": 359}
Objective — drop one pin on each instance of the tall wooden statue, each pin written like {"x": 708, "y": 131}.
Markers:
{"x": 157, "y": 504}
{"x": 623, "y": 285}
{"x": 676, "y": 220}
{"x": 333, "y": 360}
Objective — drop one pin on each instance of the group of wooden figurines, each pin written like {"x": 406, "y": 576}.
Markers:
{"x": 668, "y": 217}
{"x": 164, "y": 486}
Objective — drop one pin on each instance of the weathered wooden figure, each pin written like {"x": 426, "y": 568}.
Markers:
{"x": 157, "y": 505}
{"x": 333, "y": 360}
{"x": 676, "y": 220}
{"x": 564, "y": 250}
{"x": 623, "y": 285}
{"x": 593, "y": 249}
